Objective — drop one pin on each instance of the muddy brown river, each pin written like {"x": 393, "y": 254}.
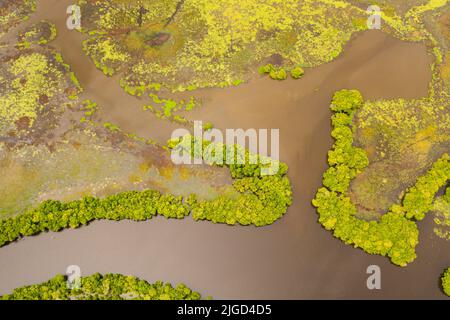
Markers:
{"x": 293, "y": 258}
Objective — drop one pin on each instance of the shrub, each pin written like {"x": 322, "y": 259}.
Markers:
{"x": 279, "y": 74}
{"x": 274, "y": 73}
{"x": 419, "y": 198}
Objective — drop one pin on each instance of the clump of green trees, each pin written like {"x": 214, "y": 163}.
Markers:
{"x": 297, "y": 73}
{"x": 41, "y": 32}
{"x": 55, "y": 215}
{"x": 261, "y": 199}
{"x": 103, "y": 287}
{"x": 273, "y": 72}
{"x": 445, "y": 279}
{"x": 419, "y": 198}
{"x": 395, "y": 235}
{"x": 446, "y": 196}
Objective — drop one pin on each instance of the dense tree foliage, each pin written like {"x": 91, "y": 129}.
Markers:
{"x": 274, "y": 72}
{"x": 395, "y": 235}
{"x": 279, "y": 73}
{"x": 261, "y": 199}
{"x": 103, "y": 287}
{"x": 347, "y": 101}
{"x": 446, "y": 282}
{"x": 220, "y": 41}
{"x": 338, "y": 178}
{"x": 55, "y": 215}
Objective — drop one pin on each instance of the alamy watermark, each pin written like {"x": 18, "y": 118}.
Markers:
{"x": 229, "y": 150}
{"x": 73, "y": 273}
{"x": 374, "y": 20}
{"x": 74, "y": 20}
{"x": 374, "y": 280}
